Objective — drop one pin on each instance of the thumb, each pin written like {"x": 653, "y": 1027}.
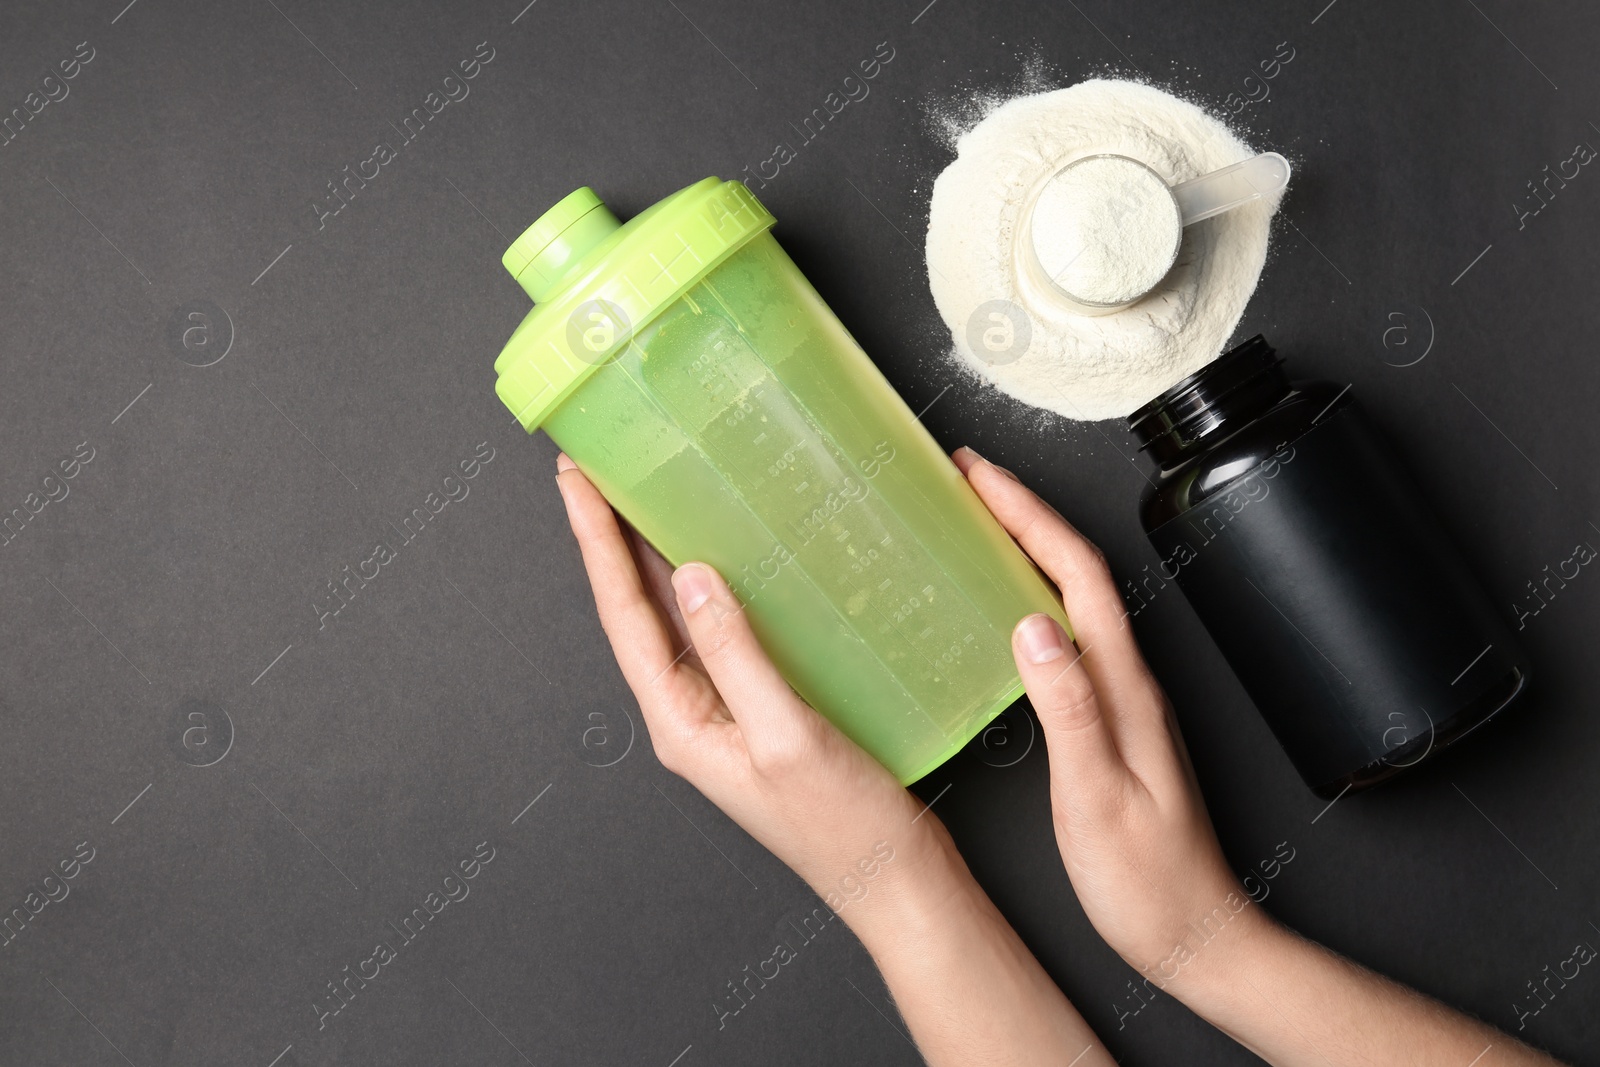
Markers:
{"x": 1084, "y": 760}
{"x": 759, "y": 699}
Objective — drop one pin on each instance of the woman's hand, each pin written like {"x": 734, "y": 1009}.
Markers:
{"x": 721, "y": 716}
{"x": 1132, "y": 828}
{"x": 1144, "y": 859}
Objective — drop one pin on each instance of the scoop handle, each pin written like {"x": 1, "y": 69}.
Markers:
{"x": 1228, "y": 188}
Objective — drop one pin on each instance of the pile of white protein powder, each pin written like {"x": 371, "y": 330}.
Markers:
{"x": 1037, "y": 349}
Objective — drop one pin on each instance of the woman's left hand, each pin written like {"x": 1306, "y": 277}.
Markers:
{"x": 720, "y": 715}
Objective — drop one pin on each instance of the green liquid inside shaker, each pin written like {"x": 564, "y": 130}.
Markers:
{"x": 743, "y": 427}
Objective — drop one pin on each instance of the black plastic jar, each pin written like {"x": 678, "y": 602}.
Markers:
{"x": 1313, "y": 562}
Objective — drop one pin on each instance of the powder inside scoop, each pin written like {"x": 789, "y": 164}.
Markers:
{"x": 1105, "y": 229}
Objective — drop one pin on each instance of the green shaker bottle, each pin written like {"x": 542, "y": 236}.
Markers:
{"x": 693, "y": 374}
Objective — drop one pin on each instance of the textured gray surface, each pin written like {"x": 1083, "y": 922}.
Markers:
{"x": 352, "y": 766}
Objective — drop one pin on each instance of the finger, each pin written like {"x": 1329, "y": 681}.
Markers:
{"x": 1099, "y": 619}
{"x": 656, "y": 574}
{"x": 1084, "y": 758}
{"x": 964, "y": 458}
{"x": 1128, "y": 694}
{"x": 767, "y": 710}
{"x": 638, "y": 635}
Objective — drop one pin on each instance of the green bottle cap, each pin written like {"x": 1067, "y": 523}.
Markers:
{"x": 598, "y": 282}
{"x": 557, "y": 239}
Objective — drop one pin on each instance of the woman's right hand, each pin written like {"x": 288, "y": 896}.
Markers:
{"x": 1144, "y": 859}
{"x": 1132, "y": 828}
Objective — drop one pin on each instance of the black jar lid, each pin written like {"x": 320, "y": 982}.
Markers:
{"x": 1235, "y": 387}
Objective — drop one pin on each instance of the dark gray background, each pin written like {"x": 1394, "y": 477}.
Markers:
{"x": 472, "y": 677}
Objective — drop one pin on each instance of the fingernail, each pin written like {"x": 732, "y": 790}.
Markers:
{"x": 564, "y": 462}
{"x": 1041, "y": 639}
{"x": 692, "y": 583}
{"x": 980, "y": 459}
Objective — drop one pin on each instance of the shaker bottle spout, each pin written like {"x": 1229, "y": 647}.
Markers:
{"x": 545, "y": 251}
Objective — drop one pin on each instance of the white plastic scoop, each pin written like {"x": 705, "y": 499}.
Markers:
{"x": 1101, "y": 232}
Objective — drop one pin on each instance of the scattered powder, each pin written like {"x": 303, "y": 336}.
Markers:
{"x": 1027, "y": 342}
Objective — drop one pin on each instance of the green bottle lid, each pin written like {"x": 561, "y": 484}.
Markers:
{"x": 597, "y": 282}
